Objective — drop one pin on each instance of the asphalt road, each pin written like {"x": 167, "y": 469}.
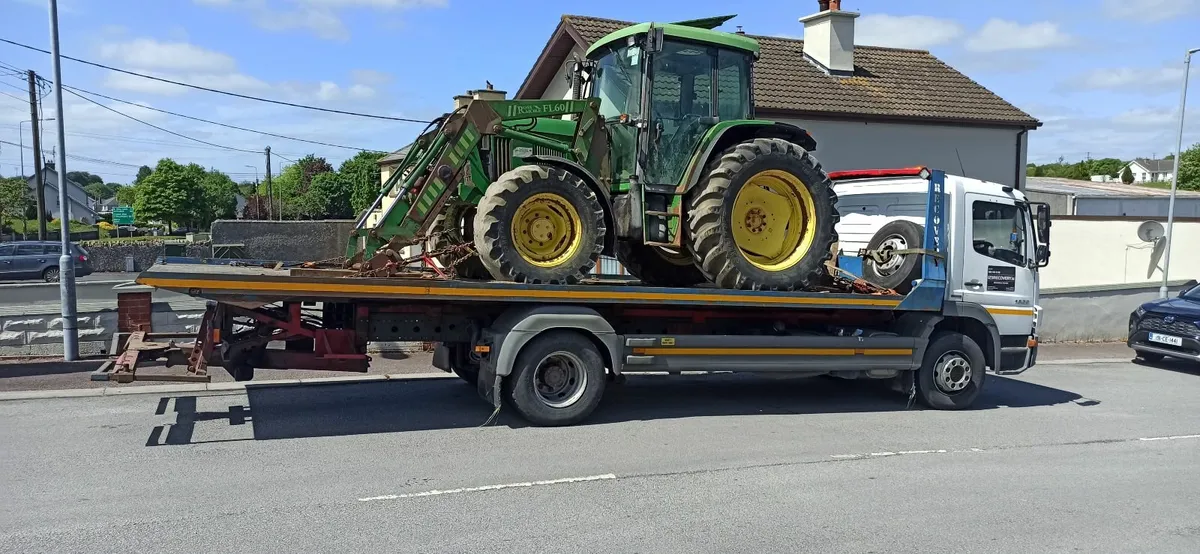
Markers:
{"x": 1079, "y": 458}
{"x": 94, "y": 288}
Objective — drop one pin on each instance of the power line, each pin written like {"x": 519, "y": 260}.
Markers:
{"x": 25, "y": 100}
{"x": 160, "y": 128}
{"x": 74, "y": 156}
{"x": 213, "y": 122}
{"x": 217, "y": 91}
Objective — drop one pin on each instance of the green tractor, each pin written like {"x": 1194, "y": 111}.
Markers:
{"x": 660, "y": 164}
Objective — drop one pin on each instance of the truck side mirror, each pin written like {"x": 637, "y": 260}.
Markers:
{"x": 1043, "y": 222}
{"x": 1043, "y": 255}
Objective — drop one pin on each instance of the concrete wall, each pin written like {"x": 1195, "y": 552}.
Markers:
{"x": 987, "y": 153}
{"x": 40, "y": 333}
{"x": 286, "y": 240}
{"x": 1094, "y": 314}
{"x": 1087, "y": 252}
{"x": 109, "y": 256}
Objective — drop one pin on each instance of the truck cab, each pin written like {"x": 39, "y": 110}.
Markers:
{"x": 997, "y": 241}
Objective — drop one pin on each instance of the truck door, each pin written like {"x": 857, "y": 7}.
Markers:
{"x": 997, "y": 264}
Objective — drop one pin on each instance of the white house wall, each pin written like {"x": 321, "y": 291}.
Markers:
{"x": 986, "y": 153}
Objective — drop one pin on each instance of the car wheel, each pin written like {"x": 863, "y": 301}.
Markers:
{"x": 50, "y": 275}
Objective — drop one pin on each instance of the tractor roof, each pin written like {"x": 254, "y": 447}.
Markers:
{"x": 688, "y": 30}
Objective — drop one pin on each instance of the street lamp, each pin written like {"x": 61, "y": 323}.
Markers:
{"x": 255, "y": 168}
{"x": 1187, "y": 65}
{"x": 21, "y": 141}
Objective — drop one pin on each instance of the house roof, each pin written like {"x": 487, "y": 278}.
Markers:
{"x": 888, "y": 83}
{"x": 394, "y": 157}
{"x": 1091, "y": 189}
{"x": 1157, "y": 166}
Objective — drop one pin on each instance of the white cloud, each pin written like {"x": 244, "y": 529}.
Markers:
{"x": 1148, "y": 79}
{"x": 148, "y": 53}
{"x": 320, "y": 17}
{"x": 1148, "y": 117}
{"x": 998, "y": 35}
{"x": 1149, "y": 10}
{"x": 1073, "y": 132}
{"x": 906, "y": 31}
{"x": 370, "y": 76}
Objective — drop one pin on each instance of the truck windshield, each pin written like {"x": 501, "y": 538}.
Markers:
{"x": 998, "y": 231}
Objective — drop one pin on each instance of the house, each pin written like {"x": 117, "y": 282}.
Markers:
{"x": 79, "y": 204}
{"x": 105, "y": 207}
{"x": 866, "y": 106}
{"x": 1151, "y": 171}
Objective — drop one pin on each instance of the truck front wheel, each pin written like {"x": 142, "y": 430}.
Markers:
{"x": 952, "y": 373}
{"x": 558, "y": 379}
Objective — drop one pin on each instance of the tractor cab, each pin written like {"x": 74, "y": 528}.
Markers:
{"x": 658, "y": 99}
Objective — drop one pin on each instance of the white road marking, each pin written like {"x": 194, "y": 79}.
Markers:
{"x": 1170, "y": 438}
{"x": 604, "y": 477}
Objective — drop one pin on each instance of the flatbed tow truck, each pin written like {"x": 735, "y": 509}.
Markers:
{"x": 549, "y": 351}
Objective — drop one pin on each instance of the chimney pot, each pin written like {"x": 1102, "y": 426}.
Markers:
{"x": 740, "y": 31}
{"x": 835, "y": 5}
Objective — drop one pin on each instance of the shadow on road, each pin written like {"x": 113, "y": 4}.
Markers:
{"x": 53, "y": 367}
{"x": 356, "y": 409}
{"x": 1172, "y": 364}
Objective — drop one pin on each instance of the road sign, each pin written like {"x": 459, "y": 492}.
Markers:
{"x": 123, "y": 215}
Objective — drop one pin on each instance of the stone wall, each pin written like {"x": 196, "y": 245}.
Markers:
{"x": 110, "y": 255}
{"x": 41, "y": 334}
{"x": 293, "y": 241}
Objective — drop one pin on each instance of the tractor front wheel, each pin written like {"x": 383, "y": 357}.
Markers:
{"x": 763, "y": 218}
{"x": 539, "y": 225}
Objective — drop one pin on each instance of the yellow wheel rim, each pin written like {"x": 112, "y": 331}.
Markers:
{"x": 774, "y": 220}
{"x": 546, "y": 230}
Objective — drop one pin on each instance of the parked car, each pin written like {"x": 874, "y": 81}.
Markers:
{"x": 1167, "y": 327}
{"x": 39, "y": 260}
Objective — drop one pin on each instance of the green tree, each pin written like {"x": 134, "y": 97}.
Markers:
{"x": 220, "y": 198}
{"x": 142, "y": 173}
{"x": 1107, "y": 166}
{"x": 1127, "y": 176}
{"x": 171, "y": 194}
{"x": 1189, "y": 168}
{"x": 327, "y": 197}
{"x": 293, "y": 182}
{"x": 15, "y": 200}
{"x": 126, "y": 196}
{"x": 99, "y": 191}
{"x": 84, "y": 178}
{"x": 361, "y": 174}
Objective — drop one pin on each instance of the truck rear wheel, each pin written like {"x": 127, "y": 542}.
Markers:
{"x": 952, "y": 373}
{"x": 657, "y": 266}
{"x": 763, "y": 218}
{"x": 456, "y": 226}
{"x": 558, "y": 379}
{"x": 539, "y": 225}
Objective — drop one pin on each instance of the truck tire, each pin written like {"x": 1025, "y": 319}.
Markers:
{"x": 658, "y": 267}
{"x": 899, "y": 271}
{"x": 952, "y": 373}
{"x": 539, "y": 225}
{"x": 763, "y": 218}
{"x": 558, "y": 379}
{"x": 443, "y": 233}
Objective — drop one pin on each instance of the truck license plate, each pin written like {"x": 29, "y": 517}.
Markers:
{"x": 1166, "y": 339}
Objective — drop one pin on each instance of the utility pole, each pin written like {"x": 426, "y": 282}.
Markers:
{"x": 66, "y": 261}
{"x": 270, "y": 195}
{"x": 1187, "y": 66}
{"x": 39, "y": 179}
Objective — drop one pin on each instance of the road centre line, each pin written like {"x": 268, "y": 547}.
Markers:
{"x": 604, "y": 477}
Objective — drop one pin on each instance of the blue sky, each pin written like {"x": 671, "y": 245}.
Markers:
{"x": 1103, "y": 75}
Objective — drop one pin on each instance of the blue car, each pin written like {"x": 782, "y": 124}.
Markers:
{"x": 39, "y": 260}
{"x": 1167, "y": 327}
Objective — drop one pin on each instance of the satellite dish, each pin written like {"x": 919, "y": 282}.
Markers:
{"x": 1150, "y": 231}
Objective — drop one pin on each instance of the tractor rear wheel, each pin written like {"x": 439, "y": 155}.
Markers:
{"x": 539, "y": 225}
{"x": 657, "y": 266}
{"x": 763, "y": 218}
{"x": 456, "y": 226}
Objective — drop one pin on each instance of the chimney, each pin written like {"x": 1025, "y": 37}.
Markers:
{"x": 829, "y": 38}
{"x": 489, "y": 93}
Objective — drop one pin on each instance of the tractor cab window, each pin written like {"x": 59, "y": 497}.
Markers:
{"x": 618, "y": 82}
{"x": 618, "y": 85}
{"x": 733, "y": 85}
{"x": 681, "y": 108}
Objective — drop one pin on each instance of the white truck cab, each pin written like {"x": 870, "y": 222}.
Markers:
{"x": 996, "y": 242}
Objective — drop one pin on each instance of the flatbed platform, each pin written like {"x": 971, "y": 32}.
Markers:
{"x": 258, "y": 285}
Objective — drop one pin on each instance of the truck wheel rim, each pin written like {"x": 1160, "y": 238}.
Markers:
{"x": 546, "y": 230}
{"x": 893, "y": 263}
{"x": 774, "y": 220}
{"x": 560, "y": 379}
{"x": 952, "y": 373}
